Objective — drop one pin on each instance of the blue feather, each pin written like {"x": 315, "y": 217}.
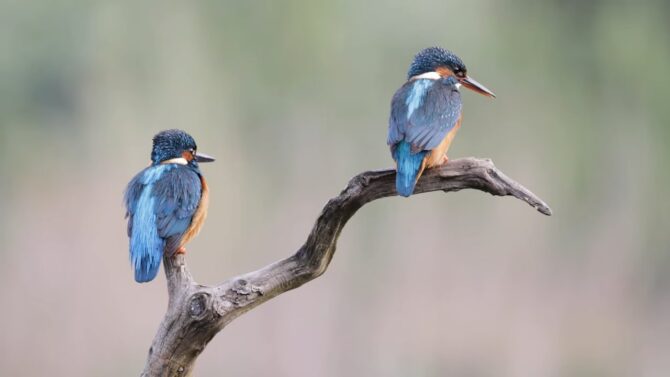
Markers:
{"x": 423, "y": 111}
{"x": 417, "y": 94}
{"x": 408, "y": 166}
{"x": 146, "y": 246}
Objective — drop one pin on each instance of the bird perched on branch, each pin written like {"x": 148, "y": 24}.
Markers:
{"x": 166, "y": 203}
{"x": 426, "y": 113}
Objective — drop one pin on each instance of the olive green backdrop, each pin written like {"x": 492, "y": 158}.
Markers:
{"x": 293, "y": 99}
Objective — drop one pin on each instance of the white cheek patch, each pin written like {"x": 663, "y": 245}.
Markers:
{"x": 428, "y": 75}
{"x": 178, "y": 160}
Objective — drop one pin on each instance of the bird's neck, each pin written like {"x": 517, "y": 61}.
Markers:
{"x": 428, "y": 75}
{"x": 178, "y": 160}
{"x": 193, "y": 165}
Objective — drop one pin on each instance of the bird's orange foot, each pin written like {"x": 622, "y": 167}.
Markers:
{"x": 181, "y": 250}
{"x": 445, "y": 159}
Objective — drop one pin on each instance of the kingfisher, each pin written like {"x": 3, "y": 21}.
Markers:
{"x": 426, "y": 114}
{"x": 166, "y": 203}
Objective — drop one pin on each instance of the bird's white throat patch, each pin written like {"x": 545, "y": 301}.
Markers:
{"x": 428, "y": 75}
{"x": 178, "y": 160}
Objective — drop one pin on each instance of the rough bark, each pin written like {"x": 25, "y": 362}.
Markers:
{"x": 196, "y": 313}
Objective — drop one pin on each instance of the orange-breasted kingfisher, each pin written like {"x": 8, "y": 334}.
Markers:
{"x": 166, "y": 203}
{"x": 426, "y": 114}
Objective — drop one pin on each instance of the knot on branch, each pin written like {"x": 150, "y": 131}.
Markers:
{"x": 199, "y": 304}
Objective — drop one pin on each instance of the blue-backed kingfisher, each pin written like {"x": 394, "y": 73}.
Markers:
{"x": 166, "y": 203}
{"x": 426, "y": 113}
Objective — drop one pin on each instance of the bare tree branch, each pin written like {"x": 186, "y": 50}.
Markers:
{"x": 196, "y": 313}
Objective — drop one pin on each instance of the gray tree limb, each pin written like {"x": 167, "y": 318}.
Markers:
{"x": 196, "y": 313}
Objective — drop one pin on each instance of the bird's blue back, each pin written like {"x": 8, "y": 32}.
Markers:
{"x": 160, "y": 203}
{"x": 423, "y": 111}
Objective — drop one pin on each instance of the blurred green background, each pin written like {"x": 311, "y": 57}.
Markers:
{"x": 293, "y": 99}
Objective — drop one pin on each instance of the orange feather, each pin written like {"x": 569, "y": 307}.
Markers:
{"x": 434, "y": 158}
{"x": 198, "y": 217}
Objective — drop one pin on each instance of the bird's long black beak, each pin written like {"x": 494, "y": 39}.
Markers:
{"x": 201, "y": 157}
{"x": 473, "y": 85}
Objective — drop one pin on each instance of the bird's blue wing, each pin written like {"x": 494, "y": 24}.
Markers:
{"x": 132, "y": 197}
{"x": 178, "y": 194}
{"x": 423, "y": 111}
{"x": 146, "y": 245}
{"x": 398, "y": 118}
{"x": 160, "y": 202}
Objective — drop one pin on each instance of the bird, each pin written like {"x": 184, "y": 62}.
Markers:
{"x": 166, "y": 203}
{"x": 426, "y": 114}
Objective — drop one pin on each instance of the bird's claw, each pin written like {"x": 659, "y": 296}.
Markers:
{"x": 181, "y": 250}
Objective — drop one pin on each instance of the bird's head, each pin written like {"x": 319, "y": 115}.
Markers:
{"x": 176, "y": 146}
{"x": 436, "y": 62}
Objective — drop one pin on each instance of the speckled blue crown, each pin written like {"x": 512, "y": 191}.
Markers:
{"x": 429, "y": 59}
{"x": 170, "y": 144}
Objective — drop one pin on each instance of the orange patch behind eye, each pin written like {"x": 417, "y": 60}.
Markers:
{"x": 444, "y": 72}
{"x": 188, "y": 156}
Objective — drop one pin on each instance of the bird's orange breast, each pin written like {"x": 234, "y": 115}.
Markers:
{"x": 434, "y": 158}
{"x": 199, "y": 216}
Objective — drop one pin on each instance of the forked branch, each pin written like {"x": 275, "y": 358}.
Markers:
{"x": 196, "y": 313}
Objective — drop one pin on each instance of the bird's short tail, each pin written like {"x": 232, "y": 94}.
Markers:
{"x": 409, "y": 167}
{"x": 146, "y": 252}
{"x": 146, "y": 268}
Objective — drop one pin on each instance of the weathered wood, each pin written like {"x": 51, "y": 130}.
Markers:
{"x": 196, "y": 313}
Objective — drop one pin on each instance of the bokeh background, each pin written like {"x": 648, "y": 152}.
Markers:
{"x": 293, "y": 99}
